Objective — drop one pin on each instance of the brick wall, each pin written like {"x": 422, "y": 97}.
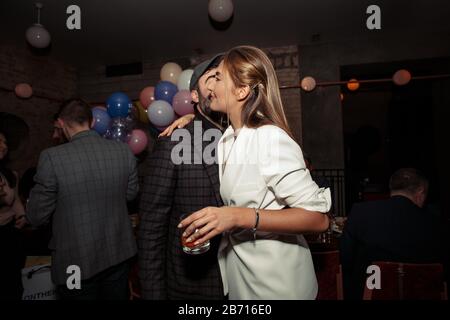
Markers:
{"x": 285, "y": 61}
{"x": 48, "y": 78}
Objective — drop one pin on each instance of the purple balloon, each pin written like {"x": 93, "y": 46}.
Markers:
{"x": 182, "y": 103}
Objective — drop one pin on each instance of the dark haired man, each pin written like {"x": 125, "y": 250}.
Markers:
{"x": 172, "y": 189}
{"x": 85, "y": 185}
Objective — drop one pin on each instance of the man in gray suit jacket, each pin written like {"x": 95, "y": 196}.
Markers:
{"x": 84, "y": 186}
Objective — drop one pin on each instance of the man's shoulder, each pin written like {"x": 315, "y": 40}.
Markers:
{"x": 101, "y": 145}
{"x": 371, "y": 207}
{"x": 55, "y": 150}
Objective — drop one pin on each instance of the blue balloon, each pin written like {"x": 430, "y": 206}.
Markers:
{"x": 118, "y": 105}
{"x": 165, "y": 90}
{"x": 102, "y": 120}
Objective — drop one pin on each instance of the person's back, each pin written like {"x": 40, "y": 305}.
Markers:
{"x": 91, "y": 227}
{"x": 396, "y": 229}
{"x": 84, "y": 186}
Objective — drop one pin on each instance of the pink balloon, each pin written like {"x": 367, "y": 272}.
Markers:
{"x": 138, "y": 141}
{"x": 23, "y": 90}
{"x": 401, "y": 77}
{"x": 147, "y": 96}
{"x": 182, "y": 103}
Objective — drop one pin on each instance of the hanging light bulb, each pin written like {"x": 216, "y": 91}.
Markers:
{"x": 220, "y": 10}
{"x": 37, "y": 35}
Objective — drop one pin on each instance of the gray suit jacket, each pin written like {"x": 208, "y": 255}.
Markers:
{"x": 84, "y": 186}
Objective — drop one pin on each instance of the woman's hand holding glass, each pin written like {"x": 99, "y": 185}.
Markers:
{"x": 207, "y": 223}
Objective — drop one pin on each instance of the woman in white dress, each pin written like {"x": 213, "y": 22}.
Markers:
{"x": 263, "y": 254}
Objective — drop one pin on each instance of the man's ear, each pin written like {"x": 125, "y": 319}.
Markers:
{"x": 242, "y": 93}
{"x": 194, "y": 96}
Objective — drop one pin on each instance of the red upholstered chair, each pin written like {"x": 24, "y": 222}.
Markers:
{"x": 408, "y": 281}
{"x": 329, "y": 275}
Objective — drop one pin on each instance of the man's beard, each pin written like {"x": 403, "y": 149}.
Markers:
{"x": 205, "y": 105}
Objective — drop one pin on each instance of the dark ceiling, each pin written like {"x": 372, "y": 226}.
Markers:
{"x": 118, "y": 31}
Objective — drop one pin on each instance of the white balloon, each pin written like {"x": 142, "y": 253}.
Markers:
{"x": 184, "y": 79}
{"x": 170, "y": 72}
{"x": 220, "y": 10}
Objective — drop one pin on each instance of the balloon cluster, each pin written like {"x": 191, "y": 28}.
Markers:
{"x": 159, "y": 105}
{"x": 169, "y": 99}
{"x": 116, "y": 122}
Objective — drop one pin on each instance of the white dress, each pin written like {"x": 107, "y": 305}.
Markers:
{"x": 264, "y": 168}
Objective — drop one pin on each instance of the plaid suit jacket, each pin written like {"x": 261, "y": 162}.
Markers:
{"x": 85, "y": 184}
{"x": 170, "y": 190}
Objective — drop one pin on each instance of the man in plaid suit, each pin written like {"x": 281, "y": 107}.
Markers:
{"x": 171, "y": 190}
{"x": 84, "y": 186}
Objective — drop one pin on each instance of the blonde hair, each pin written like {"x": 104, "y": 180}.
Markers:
{"x": 250, "y": 66}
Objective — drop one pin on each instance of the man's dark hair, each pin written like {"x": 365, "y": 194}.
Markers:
{"x": 408, "y": 180}
{"x": 76, "y": 111}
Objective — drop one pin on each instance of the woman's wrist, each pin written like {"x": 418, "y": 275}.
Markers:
{"x": 244, "y": 218}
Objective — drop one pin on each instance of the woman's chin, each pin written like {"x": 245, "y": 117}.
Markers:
{"x": 216, "y": 108}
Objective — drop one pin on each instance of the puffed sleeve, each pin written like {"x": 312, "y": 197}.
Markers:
{"x": 281, "y": 163}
